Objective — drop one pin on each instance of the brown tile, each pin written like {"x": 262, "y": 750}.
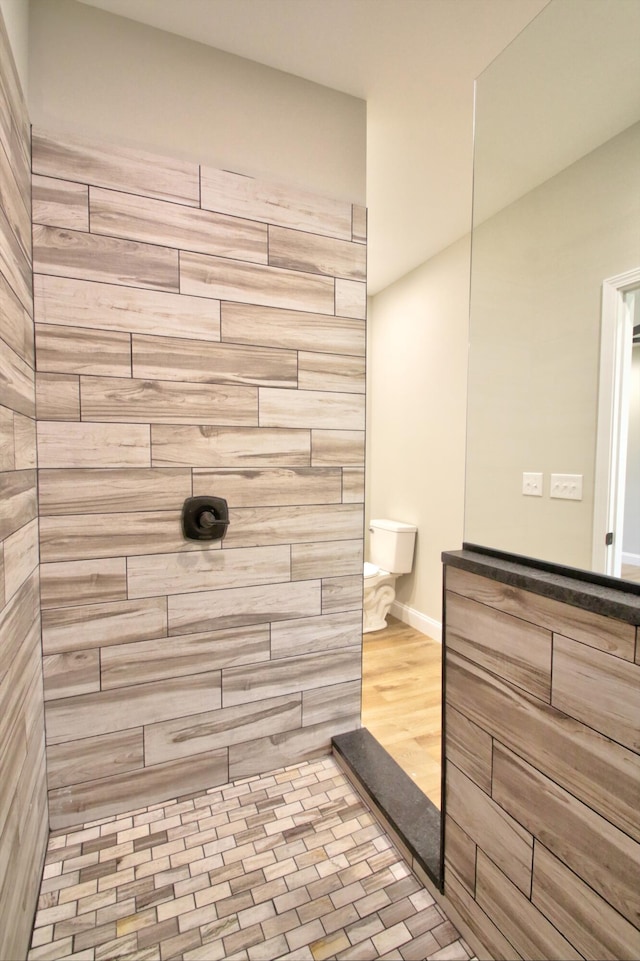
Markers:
{"x": 89, "y": 939}
{"x": 156, "y": 933}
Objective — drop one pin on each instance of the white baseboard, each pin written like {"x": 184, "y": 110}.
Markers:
{"x": 633, "y": 559}
{"x": 422, "y": 622}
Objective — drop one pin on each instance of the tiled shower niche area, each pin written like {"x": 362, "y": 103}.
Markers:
{"x": 197, "y": 332}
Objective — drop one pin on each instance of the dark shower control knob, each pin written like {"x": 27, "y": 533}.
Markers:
{"x": 205, "y": 518}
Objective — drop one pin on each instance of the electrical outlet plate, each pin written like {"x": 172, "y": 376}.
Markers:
{"x": 532, "y": 484}
{"x": 566, "y": 486}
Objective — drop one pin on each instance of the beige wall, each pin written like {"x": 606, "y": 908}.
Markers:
{"x": 16, "y": 20}
{"x": 417, "y": 376}
{"x": 23, "y": 802}
{"x": 112, "y": 79}
{"x": 538, "y": 268}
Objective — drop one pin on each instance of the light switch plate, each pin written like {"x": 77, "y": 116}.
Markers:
{"x": 532, "y": 484}
{"x": 566, "y": 486}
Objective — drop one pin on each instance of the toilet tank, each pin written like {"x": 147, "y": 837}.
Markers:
{"x": 391, "y": 545}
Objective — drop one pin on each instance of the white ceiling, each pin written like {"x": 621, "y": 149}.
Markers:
{"x": 413, "y": 61}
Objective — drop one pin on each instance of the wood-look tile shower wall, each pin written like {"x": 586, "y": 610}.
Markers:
{"x": 197, "y": 332}
{"x": 23, "y": 799}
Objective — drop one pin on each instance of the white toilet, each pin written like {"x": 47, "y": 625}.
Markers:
{"x": 391, "y": 550}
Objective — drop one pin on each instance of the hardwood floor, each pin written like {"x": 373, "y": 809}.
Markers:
{"x": 631, "y": 572}
{"x": 401, "y": 700}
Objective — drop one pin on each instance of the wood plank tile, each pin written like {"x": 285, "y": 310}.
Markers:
{"x": 352, "y": 485}
{"x": 17, "y": 326}
{"x": 299, "y": 250}
{"x": 217, "y": 610}
{"x": 82, "y": 536}
{"x": 460, "y": 852}
{"x": 161, "y": 658}
{"x": 249, "y": 526}
{"x": 111, "y": 795}
{"x": 598, "y": 689}
{"x": 72, "y": 583}
{"x": 7, "y": 445}
{"x": 280, "y": 407}
{"x": 93, "y": 445}
{"x": 296, "y": 329}
{"x": 307, "y": 635}
{"x": 197, "y": 733}
{"x": 15, "y": 202}
{"x": 490, "y": 826}
{"x": 18, "y": 618}
{"x": 14, "y": 262}
{"x": 240, "y": 685}
{"x": 329, "y": 704}
{"x": 271, "y": 487}
{"x": 16, "y": 381}
{"x": 488, "y": 934}
{"x": 243, "y": 196}
{"x": 94, "y": 757}
{"x": 174, "y": 225}
{"x": 77, "y": 350}
{"x": 71, "y": 673}
{"x": 155, "y": 401}
{"x": 225, "y": 279}
{"x": 72, "y": 253}
{"x": 522, "y": 923}
{"x": 79, "y": 303}
{"x": 60, "y": 203}
{"x": 588, "y": 921}
{"x": 351, "y": 299}
{"x": 111, "y": 490}
{"x": 20, "y": 556}
{"x": 342, "y": 594}
{"x": 17, "y": 500}
{"x": 228, "y": 447}
{"x": 605, "y": 858}
{"x": 329, "y": 559}
{"x": 575, "y": 756}
{"x": 104, "y": 712}
{"x": 115, "y": 167}
{"x": 150, "y": 576}
{"x": 469, "y": 747}
{"x": 269, "y": 753}
{"x": 335, "y": 372}
{"x": 518, "y": 651}
{"x": 24, "y": 436}
{"x": 359, "y": 224}
{"x": 171, "y": 358}
{"x": 337, "y": 448}
{"x": 58, "y": 397}
{"x": 604, "y": 633}
{"x": 97, "y": 625}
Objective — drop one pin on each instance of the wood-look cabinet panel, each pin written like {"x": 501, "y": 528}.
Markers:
{"x": 600, "y": 690}
{"x": 296, "y": 329}
{"x": 155, "y": 575}
{"x": 491, "y": 827}
{"x": 280, "y": 407}
{"x": 105, "y": 755}
{"x": 249, "y": 526}
{"x": 162, "y": 658}
{"x": 170, "y": 740}
{"x": 64, "y": 301}
{"x": 335, "y": 372}
{"x": 328, "y": 559}
{"x": 178, "y": 446}
{"x": 580, "y": 759}
{"x": 117, "y": 168}
{"x": 71, "y": 673}
{"x": 225, "y": 279}
{"x": 99, "y": 625}
{"x": 243, "y": 196}
{"x": 77, "y": 350}
{"x": 217, "y": 610}
{"x": 122, "y": 708}
{"x": 167, "y": 402}
{"x": 60, "y": 203}
{"x": 69, "y": 584}
{"x": 111, "y": 490}
{"x": 330, "y": 448}
{"x": 173, "y": 225}
{"x": 93, "y": 445}
{"x": 598, "y": 852}
{"x": 73, "y": 253}
{"x": 514, "y": 649}
{"x": 188, "y": 361}
{"x": 605, "y": 633}
{"x": 309, "y": 635}
{"x": 299, "y": 250}
{"x": 271, "y": 487}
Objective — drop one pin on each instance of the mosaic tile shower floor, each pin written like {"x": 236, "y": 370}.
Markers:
{"x": 287, "y": 865}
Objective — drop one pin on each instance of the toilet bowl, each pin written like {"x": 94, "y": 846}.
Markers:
{"x": 391, "y": 553}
